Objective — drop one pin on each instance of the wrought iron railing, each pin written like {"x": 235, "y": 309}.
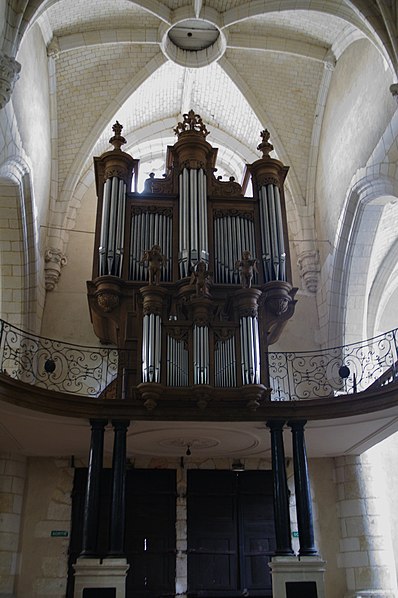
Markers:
{"x": 56, "y": 365}
{"x": 75, "y": 369}
{"x": 331, "y": 372}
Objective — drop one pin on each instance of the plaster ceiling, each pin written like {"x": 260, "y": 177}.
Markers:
{"x": 40, "y": 434}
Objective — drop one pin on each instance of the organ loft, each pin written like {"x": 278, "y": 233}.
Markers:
{"x": 191, "y": 278}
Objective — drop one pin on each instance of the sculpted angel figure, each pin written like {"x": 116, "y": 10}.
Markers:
{"x": 201, "y": 278}
{"x": 156, "y": 261}
{"x": 246, "y": 266}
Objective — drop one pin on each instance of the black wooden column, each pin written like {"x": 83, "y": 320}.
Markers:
{"x": 91, "y": 504}
{"x": 118, "y": 505}
{"x": 281, "y": 496}
{"x": 303, "y": 491}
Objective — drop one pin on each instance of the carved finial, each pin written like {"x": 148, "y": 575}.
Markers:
{"x": 117, "y": 140}
{"x": 265, "y": 146}
{"x": 191, "y": 122}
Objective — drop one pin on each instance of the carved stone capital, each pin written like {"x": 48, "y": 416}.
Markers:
{"x": 309, "y": 268}
{"x": 9, "y": 75}
{"x": 54, "y": 260}
{"x": 53, "y": 48}
{"x": 394, "y": 91}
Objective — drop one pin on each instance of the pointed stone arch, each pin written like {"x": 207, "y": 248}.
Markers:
{"x": 21, "y": 287}
{"x": 354, "y": 239}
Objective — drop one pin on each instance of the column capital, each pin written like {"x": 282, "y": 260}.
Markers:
{"x": 120, "y": 424}
{"x": 9, "y": 75}
{"x": 297, "y": 424}
{"x": 275, "y": 424}
{"x": 98, "y": 424}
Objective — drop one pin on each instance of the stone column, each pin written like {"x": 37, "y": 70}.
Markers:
{"x": 281, "y": 497}
{"x": 303, "y": 491}
{"x": 118, "y": 506}
{"x": 366, "y": 551}
{"x": 91, "y": 505}
{"x": 12, "y": 482}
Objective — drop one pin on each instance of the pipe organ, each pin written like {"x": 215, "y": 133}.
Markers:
{"x": 191, "y": 279}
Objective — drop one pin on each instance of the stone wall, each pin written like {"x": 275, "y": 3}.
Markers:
{"x": 12, "y": 481}
{"x": 47, "y": 508}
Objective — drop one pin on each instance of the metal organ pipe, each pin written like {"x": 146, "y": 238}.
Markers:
{"x": 250, "y": 350}
{"x": 232, "y": 236}
{"x": 225, "y": 363}
{"x": 148, "y": 229}
{"x": 112, "y": 227}
{"x": 193, "y": 234}
{"x": 151, "y": 348}
{"x": 201, "y": 354}
{"x": 273, "y": 244}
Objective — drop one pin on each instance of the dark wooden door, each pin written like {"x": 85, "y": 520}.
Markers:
{"x": 231, "y": 535}
{"x": 150, "y": 537}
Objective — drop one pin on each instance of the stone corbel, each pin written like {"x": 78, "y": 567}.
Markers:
{"x": 394, "y": 91}
{"x": 309, "y": 269}
{"x": 54, "y": 260}
{"x": 9, "y": 75}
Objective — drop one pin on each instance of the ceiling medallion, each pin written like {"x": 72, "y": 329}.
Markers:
{"x": 193, "y": 43}
{"x": 194, "y": 443}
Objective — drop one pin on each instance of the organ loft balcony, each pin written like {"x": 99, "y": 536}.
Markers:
{"x": 191, "y": 278}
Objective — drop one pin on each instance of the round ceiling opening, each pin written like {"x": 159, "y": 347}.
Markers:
{"x": 193, "y": 35}
{"x": 193, "y": 43}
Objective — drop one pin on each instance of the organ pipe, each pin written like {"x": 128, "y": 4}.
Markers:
{"x": 149, "y": 229}
{"x": 225, "y": 363}
{"x": 272, "y": 240}
{"x": 193, "y": 235}
{"x": 151, "y": 348}
{"x": 250, "y": 350}
{"x": 201, "y": 354}
{"x": 112, "y": 227}
{"x": 232, "y": 236}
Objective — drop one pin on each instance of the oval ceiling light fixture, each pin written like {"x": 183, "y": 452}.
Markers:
{"x": 193, "y": 43}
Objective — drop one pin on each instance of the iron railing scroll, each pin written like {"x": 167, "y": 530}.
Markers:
{"x": 87, "y": 371}
{"x": 340, "y": 370}
{"x": 56, "y": 365}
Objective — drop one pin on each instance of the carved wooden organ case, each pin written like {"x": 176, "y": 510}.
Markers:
{"x": 191, "y": 279}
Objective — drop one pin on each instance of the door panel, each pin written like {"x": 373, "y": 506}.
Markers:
{"x": 150, "y": 539}
{"x": 231, "y": 535}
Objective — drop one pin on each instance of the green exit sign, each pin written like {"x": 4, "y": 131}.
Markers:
{"x": 295, "y": 534}
{"x": 59, "y": 533}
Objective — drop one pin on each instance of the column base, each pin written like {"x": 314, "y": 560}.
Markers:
{"x": 100, "y": 574}
{"x": 291, "y": 574}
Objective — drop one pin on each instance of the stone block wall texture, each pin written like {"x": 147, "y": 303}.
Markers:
{"x": 366, "y": 545}
{"x": 12, "y": 482}
{"x": 43, "y": 571}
